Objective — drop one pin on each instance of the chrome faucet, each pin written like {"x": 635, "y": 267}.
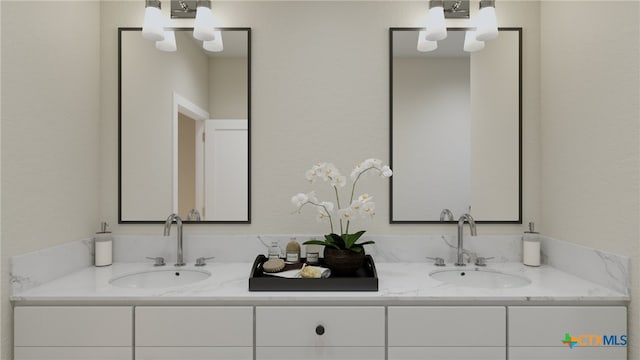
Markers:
{"x": 194, "y": 214}
{"x": 446, "y": 214}
{"x": 472, "y": 227}
{"x": 167, "y": 231}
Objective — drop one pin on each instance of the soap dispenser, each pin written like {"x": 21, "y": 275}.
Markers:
{"x": 531, "y": 247}
{"x": 103, "y": 246}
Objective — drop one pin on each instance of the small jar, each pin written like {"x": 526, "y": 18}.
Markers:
{"x": 274, "y": 250}
{"x": 313, "y": 258}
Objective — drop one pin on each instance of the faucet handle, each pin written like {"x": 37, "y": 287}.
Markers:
{"x": 437, "y": 261}
{"x": 482, "y": 261}
{"x": 202, "y": 261}
{"x": 158, "y": 261}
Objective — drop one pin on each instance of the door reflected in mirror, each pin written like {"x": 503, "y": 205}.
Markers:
{"x": 184, "y": 129}
{"x": 456, "y": 128}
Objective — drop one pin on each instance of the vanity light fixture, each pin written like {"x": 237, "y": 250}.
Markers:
{"x": 471, "y": 43}
{"x": 204, "y": 27}
{"x": 436, "y": 28}
{"x": 425, "y": 45}
{"x": 169, "y": 42}
{"x": 214, "y": 45}
{"x": 486, "y": 21}
{"x": 153, "y": 26}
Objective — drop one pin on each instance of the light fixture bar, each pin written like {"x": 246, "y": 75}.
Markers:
{"x": 456, "y": 9}
{"x": 183, "y": 9}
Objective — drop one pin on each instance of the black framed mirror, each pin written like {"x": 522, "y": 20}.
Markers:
{"x": 184, "y": 129}
{"x": 456, "y": 128}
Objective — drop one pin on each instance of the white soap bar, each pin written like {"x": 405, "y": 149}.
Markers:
{"x": 104, "y": 249}
{"x": 531, "y": 252}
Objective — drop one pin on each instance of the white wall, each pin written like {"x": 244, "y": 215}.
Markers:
{"x": 590, "y": 129}
{"x": 319, "y": 93}
{"x": 50, "y": 121}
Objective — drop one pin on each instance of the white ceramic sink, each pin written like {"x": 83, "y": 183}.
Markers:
{"x": 480, "y": 278}
{"x": 160, "y": 278}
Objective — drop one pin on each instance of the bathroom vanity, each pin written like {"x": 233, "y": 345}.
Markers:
{"x": 413, "y": 316}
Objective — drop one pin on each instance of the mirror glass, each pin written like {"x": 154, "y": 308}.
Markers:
{"x": 455, "y": 128}
{"x": 184, "y": 128}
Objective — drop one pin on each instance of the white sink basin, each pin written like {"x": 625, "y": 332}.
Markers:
{"x": 480, "y": 278}
{"x": 160, "y": 278}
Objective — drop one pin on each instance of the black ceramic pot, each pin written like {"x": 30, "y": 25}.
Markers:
{"x": 342, "y": 262}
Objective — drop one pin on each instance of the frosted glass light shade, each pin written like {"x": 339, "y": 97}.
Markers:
{"x": 203, "y": 28}
{"x": 487, "y": 24}
{"x": 169, "y": 42}
{"x": 152, "y": 28}
{"x": 214, "y": 45}
{"x": 436, "y": 24}
{"x": 471, "y": 43}
{"x": 425, "y": 45}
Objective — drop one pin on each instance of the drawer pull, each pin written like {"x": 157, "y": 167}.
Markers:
{"x": 319, "y": 329}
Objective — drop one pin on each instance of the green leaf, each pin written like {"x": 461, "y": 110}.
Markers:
{"x": 356, "y": 248}
{"x": 337, "y": 240}
{"x": 350, "y": 239}
{"x": 365, "y": 243}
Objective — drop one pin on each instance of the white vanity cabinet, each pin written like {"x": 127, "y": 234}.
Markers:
{"x": 456, "y": 332}
{"x": 193, "y": 332}
{"x": 73, "y": 332}
{"x": 315, "y": 333}
{"x": 537, "y": 332}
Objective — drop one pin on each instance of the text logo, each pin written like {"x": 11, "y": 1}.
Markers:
{"x": 594, "y": 340}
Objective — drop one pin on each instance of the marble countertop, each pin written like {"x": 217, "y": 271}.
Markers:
{"x": 399, "y": 283}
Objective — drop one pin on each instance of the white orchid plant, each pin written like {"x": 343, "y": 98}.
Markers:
{"x": 362, "y": 206}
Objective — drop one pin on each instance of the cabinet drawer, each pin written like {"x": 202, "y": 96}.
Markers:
{"x": 320, "y": 326}
{"x": 72, "y": 353}
{"x": 73, "y": 326}
{"x": 447, "y": 326}
{"x": 194, "y": 353}
{"x": 578, "y": 353}
{"x": 447, "y": 353}
{"x": 320, "y": 353}
{"x": 194, "y": 326}
{"x": 547, "y": 326}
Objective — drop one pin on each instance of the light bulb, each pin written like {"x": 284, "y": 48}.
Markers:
{"x": 436, "y": 25}
{"x": 471, "y": 44}
{"x": 214, "y": 45}
{"x": 169, "y": 42}
{"x": 487, "y": 24}
{"x": 152, "y": 28}
{"x": 203, "y": 28}
{"x": 425, "y": 45}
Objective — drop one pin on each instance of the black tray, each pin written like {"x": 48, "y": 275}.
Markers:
{"x": 364, "y": 279}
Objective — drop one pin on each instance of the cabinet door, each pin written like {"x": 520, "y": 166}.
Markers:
{"x": 447, "y": 326}
{"x": 72, "y": 353}
{"x": 334, "y": 326}
{"x": 548, "y": 325}
{"x": 60, "y": 326}
{"x": 447, "y": 353}
{"x": 578, "y": 353}
{"x": 320, "y": 353}
{"x": 197, "y": 326}
{"x": 194, "y": 353}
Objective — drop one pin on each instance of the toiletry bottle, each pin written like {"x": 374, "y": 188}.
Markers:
{"x": 293, "y": 251}
{"x": 274, "y": 251}
{"x": 531, "y": 247}
{"x": 103, "y": 246}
